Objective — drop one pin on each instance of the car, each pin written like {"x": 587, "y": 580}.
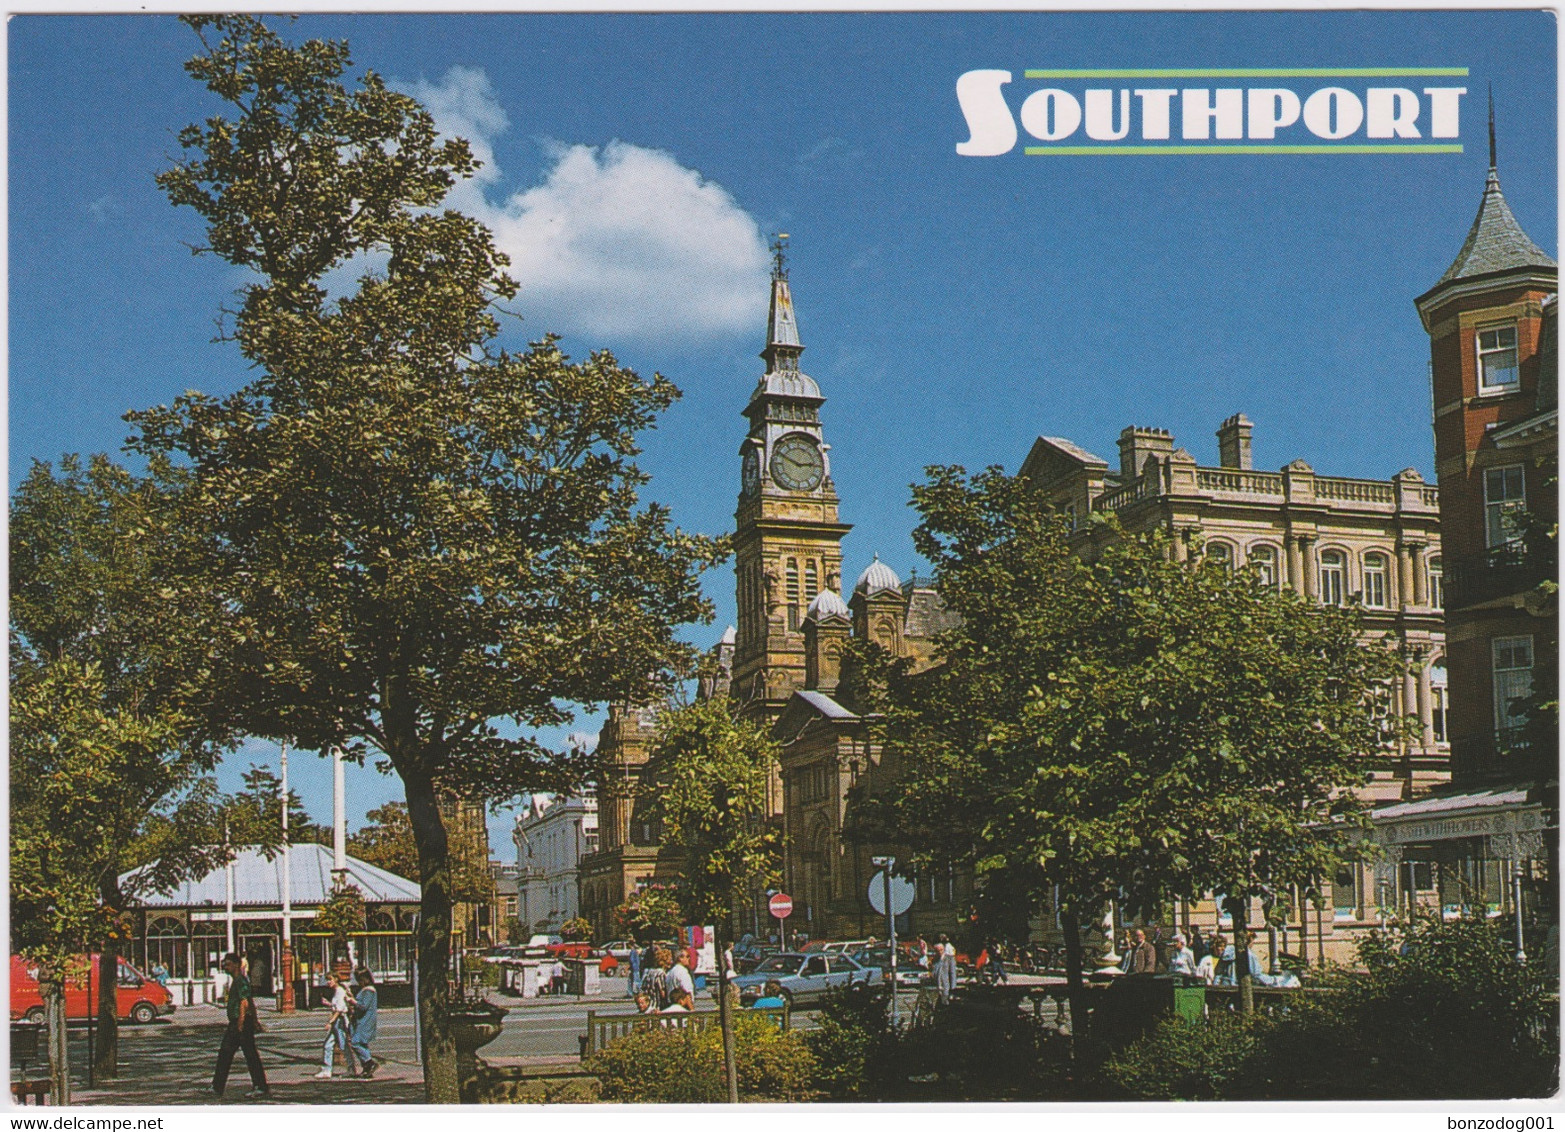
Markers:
{"x": 568, "y": 949}
{"x": 620, "y": 949}
{"x": 909, "y": 974}
{"x": 505, "y": 954}
{"x": 748, "y": 956}
{"x": 537, "y": 946}
{"x": 138, "y": 997}
{"x": 806, "y": 978}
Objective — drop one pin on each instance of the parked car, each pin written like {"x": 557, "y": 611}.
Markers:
{"x": 806, "y": 978}
{"x": 621, "y": 949}
{"x": 748, "y": 956}
{"x": 537, "y": 946}
{"x": 909, "y": 974}
{"x": 569, "y": 949}
{"x": 503, "y": 954}
{"x": 137, "y": 998}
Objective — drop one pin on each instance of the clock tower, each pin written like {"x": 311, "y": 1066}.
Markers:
{"x": 787, "y": 542}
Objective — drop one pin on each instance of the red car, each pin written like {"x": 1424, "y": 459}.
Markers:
{"x": 137, "y": 997}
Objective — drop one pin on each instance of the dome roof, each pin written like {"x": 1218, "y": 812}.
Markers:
{"x": 827, "y": 604}
{"x": 876, "y": 577}
{"x": 788, "y": 383}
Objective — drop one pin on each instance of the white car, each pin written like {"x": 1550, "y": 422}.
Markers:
{"x": 620, "y": 949}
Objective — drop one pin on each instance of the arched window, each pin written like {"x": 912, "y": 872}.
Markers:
{"x": 1264, "y": 559}
{"x": 167, "y": 946}
{"x": 1436, "y": 583}
{"x": 1220, "y": 554}
{"x": 1375, "y": 584}
{"x": 812, "y": 580}
{"x": 1439, "y": 699}
{"x": 1333, "y": 577}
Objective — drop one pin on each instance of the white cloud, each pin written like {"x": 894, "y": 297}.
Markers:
{"x": 615, "y": 241}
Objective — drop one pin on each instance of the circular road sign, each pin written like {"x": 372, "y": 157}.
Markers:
{"x": 781, "y": 905}
{"x": 901, "y": 894}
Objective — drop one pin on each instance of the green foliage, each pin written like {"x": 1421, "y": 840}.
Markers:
{"x": 386, "y": 841}
{"x": 254, "y": 814}
{"x": 576, "y": 928}
{"x": 651, "y": 913}
{"x": 684, "y": 1065}
{"x": 1123, "y": 724}
{"x": 419, "y": 543}
{"x": 343, "y": 915}
{"x": 1442, "y": 1012}
{"x": 706, "y": 786}
{"x": 850, "y": 1038}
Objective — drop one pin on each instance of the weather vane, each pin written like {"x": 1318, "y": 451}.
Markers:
{"x": 780, "y": 255}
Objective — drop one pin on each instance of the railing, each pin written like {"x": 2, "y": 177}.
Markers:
{"x": 1494, "y": 754}
{"x": 605, "y": 1028}
{"x": 1239, "y": 481}
{"x": 1133, "y": 492}
{"x": 1502, "y": 572}
{"x": 1354, "y": 491}
{"x": 1430, "y": 496}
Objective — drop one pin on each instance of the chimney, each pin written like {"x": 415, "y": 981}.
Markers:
{"x": 1233, "y": 442}
{"x": 1137, "y": 444}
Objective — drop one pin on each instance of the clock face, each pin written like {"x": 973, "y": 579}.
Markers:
{"x": 750, "y": 471}
{"x": 797, "y": 463}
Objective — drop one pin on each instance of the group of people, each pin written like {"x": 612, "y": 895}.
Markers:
{"x": 665, "y": 984}
{"x": 350, "y": 1027}
{"x": 1214, "y": 962}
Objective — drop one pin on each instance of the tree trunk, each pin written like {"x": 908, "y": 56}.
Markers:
{"x": 50, "y": 983}
{"x": 1239, "y": 909}
{"x": 441, "y": 1085}
{"x": 106, "y": 1046}
{"x": 1075, "y": 987}
{"x": 725, "y": 1010}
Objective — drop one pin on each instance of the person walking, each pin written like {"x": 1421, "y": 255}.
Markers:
{"x": 945, "y": 969}
{"x": 654, "y": 981}
{"x": 336, "y": 1024}
{"x": 680, "y": 978}
{"x": 634, "y": 981}
{"x": 366, "y": 1014}
{"x": 243, "y": 1025}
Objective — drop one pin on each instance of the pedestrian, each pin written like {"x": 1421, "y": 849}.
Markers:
{"x": 945, "y": 969}
{"x": 634, "y": 980}
{"x": 679, "y": 976}
{"x": 921, "y": 954}
{"x": 1181, "y": 960}
{"x": 160, "y": 974}
{"x": 1143, "y": 956}
{"x": 1206, "y": 967}
{"x": 680, "y": 1001}
{"x": 336, "y": 1023}
{"x": 771, "y": 997}
{"x": 243, "y": 1025}
{"x": 366, "y": 1013}
{"x": 654, "y": 980}
{"x": 997, "y": 963}
{"x": 1198, "y": 944}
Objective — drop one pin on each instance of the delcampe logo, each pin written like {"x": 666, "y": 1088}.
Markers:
{"x": 1155, "y": 111}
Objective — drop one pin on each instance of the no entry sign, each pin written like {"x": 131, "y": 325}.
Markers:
{"x": 781, "y": 905}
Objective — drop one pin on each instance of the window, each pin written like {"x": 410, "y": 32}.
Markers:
{"x": 1375, "y": 581}
{"x": 1069, "y": 511}
{"x": 1220, "y": 554}
{"x": 1436, "y": 584}
{"x": 1497, "y": 370}
{"x": 1512, "y": 680}
{"x": 166, "y": 945}
{"x": 812, "y": 580}
{"x": 1439, "y": 700}
{"x": 1504, "y": 496}
{"x": 1333, "y": 577}
{"x": 1264, "y": 559}
{"x": 793, "y": 593}
{"x": 1344, "y": 895}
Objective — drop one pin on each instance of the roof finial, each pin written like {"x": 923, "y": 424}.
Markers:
{"x": 1493, "y": 166}
{"x": 780, "y": 254}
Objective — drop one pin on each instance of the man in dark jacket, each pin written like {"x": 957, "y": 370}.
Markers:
{"x": 243, "y": 1025}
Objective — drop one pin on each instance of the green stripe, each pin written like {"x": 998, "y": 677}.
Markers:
{"x": 1256, "y": 73}
{"x": 1178, "y": 150}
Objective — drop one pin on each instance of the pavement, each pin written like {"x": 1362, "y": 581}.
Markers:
{"x": 170, "y": 1062}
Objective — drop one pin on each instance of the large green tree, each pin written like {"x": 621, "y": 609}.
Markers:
{"x": 108, "y": 759}
{"x": 1130, "y": 728}
{"x": 706, "y": 786}
{"x": 416, "y": 536}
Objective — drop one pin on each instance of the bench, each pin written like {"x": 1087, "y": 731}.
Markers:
{"x": 605, "y": 1028}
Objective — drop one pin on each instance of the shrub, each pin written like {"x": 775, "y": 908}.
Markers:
{"x": 684, "y": 1065}
{"x": 851, "y": 1030}
{"x": 1442, "y": 1011}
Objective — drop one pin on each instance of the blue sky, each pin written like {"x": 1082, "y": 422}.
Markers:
{"x": 953, "y": 308}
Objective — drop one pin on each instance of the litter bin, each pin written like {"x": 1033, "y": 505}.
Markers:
{"x": 1189, "y": 999}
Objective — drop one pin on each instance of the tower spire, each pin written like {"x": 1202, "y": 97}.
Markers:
{"x": 1493, "y": 165}
{"x": 782, "y": 326}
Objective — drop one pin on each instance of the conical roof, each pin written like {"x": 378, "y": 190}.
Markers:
{"x": 827, "y": 604}
{"x": 1496, "y": 242}
{"x": 876, "y": 578}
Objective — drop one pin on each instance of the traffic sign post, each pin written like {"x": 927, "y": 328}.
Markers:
{"x": 781, "y": 906}
{"x": 891, "y": 895}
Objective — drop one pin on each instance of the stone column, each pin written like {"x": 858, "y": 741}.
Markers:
{"x": 1311, "y": 573}
{"x": 1426, "y": 703}
{"x": 1410, "y": 702}
{"x": 1295, "y": 564}
{"x": 1420, "y": 573}
{"x": 1404, "y": 575}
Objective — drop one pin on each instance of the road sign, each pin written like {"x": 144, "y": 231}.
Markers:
{"x": 781, "y": 905}
{"x": 901, "y": 894}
